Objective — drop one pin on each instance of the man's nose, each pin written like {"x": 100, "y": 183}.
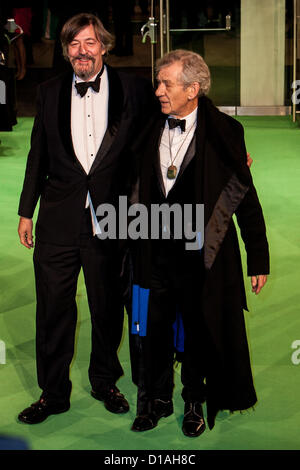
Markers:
{"x": 159, "y": 90}
{"x": 82, "y": 48}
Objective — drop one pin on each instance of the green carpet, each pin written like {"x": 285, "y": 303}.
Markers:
{"x": 273, "y": 323}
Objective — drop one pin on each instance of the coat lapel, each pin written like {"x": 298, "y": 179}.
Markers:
{"x": 218, "y": 223}
{"x": 64, "y": 116}
{"x": 190, "y": 153}
{"x": 229, "y": 189}
{"x": 115, "y": 107}
{"x": 157, "y": 166}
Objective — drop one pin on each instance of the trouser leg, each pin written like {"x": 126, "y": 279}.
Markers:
{"x": 101, "y": 272}
{"x": 56, "y": 274}
{"x": 193, "y": 369}
{"x": 158, "y": 344}
{"x": 138, "y": 371}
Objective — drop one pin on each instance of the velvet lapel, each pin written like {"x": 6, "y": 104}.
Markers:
{"x": 217, "y": 226}
{"x": 190, "y": 153}
{"x": 157, "y": 138}
{"x": 218, "y": 213}
{"x": 115, "y": 107}
{"x": 64, "y": 117}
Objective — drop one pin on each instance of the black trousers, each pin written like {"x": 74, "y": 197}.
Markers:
{"x": 176, "y": 285}
{"x": 56, "y": 273}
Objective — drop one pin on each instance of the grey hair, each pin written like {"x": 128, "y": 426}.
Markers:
{"x": 78, "y": 22}
{"x": 194, "y": 68}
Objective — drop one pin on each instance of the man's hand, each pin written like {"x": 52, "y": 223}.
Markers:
{"x": 258, "y": 282}
{"x": 25, "y": 232}
{"x": 249, "y": 160}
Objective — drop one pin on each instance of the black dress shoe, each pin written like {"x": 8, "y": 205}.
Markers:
{"x": 114, "y": 400}
{"x": 40, "y": 410}
{"x": 193, "y": 422}
{"x": 156, "y": 410}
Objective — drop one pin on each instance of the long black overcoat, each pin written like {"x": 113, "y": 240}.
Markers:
{"x": 223, "y": 183}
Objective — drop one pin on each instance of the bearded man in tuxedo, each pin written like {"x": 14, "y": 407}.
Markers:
{"x": 85, "y": 121}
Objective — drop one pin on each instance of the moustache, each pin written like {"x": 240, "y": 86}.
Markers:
{"x": 83, "y": 56}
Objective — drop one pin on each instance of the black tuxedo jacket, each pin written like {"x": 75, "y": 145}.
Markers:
{"x": 53, "y": 172}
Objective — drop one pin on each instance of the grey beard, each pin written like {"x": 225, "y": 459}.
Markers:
{"x": 84, "y": 74}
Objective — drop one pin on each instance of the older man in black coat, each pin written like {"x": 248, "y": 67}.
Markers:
{"x": 195, "y": 157}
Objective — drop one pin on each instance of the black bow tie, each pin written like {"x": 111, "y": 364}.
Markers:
{"x": 82, "y": 87}
{"x": 176, "y": 122}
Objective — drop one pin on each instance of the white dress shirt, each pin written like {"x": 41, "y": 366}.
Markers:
{"x": 89, "y": 117}
{"x": 179, "y": 142}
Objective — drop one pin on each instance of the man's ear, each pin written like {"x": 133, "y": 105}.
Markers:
{"x": 193, "y": 90}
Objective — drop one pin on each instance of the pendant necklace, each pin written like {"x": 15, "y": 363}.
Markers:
{"x": 172, "y": 169}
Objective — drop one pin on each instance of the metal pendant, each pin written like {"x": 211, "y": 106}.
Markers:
{"x": 172, "y": 171}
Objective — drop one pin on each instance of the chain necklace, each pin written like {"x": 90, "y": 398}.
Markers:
{"x": 172, "y": 169}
